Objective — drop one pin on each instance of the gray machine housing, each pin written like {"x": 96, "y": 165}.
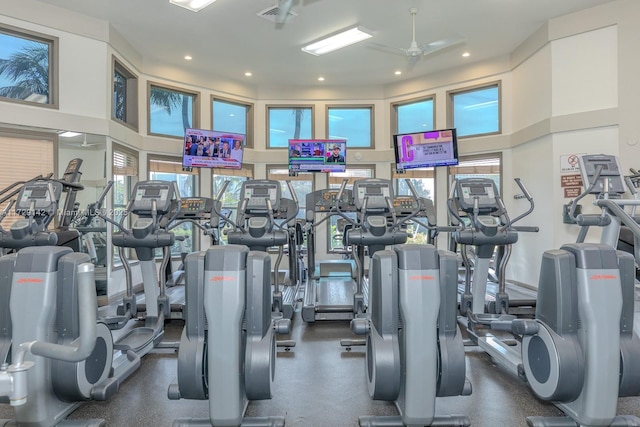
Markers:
{"x": 227, "y": 350}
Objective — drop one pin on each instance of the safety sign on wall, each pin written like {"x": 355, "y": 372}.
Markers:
{"x": 570, "y": 180}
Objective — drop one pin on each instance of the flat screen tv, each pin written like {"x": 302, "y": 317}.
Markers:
{"x": 317, "y": 155}
{"x": 212, "y": 149}
{"x": 425, "y": 149}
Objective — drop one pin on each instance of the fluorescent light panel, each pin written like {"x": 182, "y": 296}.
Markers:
{"x": 337, "y": 41}
{"x": 192, "y": 5}
{"x": 69, "y": 134}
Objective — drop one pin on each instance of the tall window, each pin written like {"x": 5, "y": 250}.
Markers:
{"x": 171, "y": 110}
{"x": 165, "y": 169}
{"x": 125, "y": 173}
{"x": 38, "y": 162}
{"x": 232, "y": 116}
{"x": 354, "y": 124}
{"x": 475, "y": 111}
{"x": 287, "y": 123}
{"x": 28, "y": 66}
{"x": 125, "y": 96}
{"x": 480, "y": 166}
{"x": 336, "y": 223}
{"x": 231, "y": 196}
{"x": 413, "y": 116}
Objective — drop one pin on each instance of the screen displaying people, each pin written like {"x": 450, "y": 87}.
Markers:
{"x": 212, "y": 149}
{"x": 317, "y": 155}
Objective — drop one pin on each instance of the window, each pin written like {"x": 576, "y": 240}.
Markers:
{"x": 287, "y": 123}
{"x": 171, "y": 111}
{"x": 231, "y": 196}
{"x": 354, "y": 124}
{"x": 413, "y": 116}
{"x": 480, "y": 166}
{"x": 165, "y": 169}
{"x": 232, "y": 116}
{"x": 125, "y": 96}
{"x": 125, "y": 173}
{"x": 28, "y": 67}
{"x": 424, "y": 182}
{"x": 38, "y": 162}
{"x": 475, "y": 111}
{"x": 336, "y": 223}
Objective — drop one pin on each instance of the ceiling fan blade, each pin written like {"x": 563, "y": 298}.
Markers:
{"x": 411, "y": 62}
{"x": 438, "y": 45}
{"x": 387, "y": 49}
{"x": 284, "y": 6}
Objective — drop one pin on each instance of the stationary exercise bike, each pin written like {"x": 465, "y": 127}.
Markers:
{"x": 414, "y": 347}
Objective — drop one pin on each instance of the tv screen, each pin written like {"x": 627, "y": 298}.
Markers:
{"x": 317, "y": 155}
{"x": 212, "y": 149}
{"x": 425, "y": 149}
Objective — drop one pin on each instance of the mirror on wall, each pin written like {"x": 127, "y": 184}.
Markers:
{"x": 91, "y": 149}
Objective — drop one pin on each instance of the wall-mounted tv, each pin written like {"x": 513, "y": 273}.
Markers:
{"x": 212, "y": 149}
{"x": 317, "y": 155}
{"x": 425, "y": 149}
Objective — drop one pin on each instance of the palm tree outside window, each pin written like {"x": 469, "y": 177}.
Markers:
{"x": 171, "y": 111}
{"x": 26, "y": 67}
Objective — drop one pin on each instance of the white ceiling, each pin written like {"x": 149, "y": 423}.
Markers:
{"x": 227, "y": 38}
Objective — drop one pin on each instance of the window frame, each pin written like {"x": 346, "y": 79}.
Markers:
{"x": 468, "y": 89}
{"x": 477, "y": 157}
{"x": 370, "y": 107}
{"x": 249, "y": 108}
{"x": 270, "y": 107}
{"x": 131, "y": 94}
{"x": 130, "y": 183}
{"x": 53, "y": 62}
{"x": 394, "y": 112}
{"x": 195, "y": 109}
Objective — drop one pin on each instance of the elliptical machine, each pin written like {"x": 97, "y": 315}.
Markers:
{"x": 261, "y": 204}
{"x": 228, "y": 348}
{"x": 52, "y": 308}
{"x": 580, "y": 351}
{"x": 414, "y": 347}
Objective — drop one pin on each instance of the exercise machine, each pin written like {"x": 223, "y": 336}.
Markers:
{"x": 260, "y": 208}
{"x": 580, "y": 351}
{"x": 154, "y": 204}
{"x": 414, "y": 348}
{"x": 335, "y": 289}
{"x": 475, "y": 204}
{"x": 228, "y": 347}
{"x": 53, "y": 311}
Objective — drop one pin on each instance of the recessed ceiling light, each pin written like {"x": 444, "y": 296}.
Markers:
{"x": 320, "y": 79}
{"x": 248, "y": 74}
{"x": 192, "y": 5}
{"x": 397, "y": 73}
{"x": 188, "y": 57}
{"x": 466, "y": 55}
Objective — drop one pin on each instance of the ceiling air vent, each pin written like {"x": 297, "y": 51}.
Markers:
{"x": 271, "y": 14}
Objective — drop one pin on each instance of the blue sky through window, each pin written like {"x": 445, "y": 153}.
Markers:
{"x": 10, "y": 45}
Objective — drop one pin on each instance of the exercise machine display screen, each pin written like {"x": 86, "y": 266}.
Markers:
{"x": 257, "y": 192}
{"x": 375, "y": 191}
{"x": 483, "y": 190}
{"x": 609, "y": 170}
{"x": 148, "y": 191}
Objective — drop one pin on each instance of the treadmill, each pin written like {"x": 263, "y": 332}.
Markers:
{"x": 332, "y": 285}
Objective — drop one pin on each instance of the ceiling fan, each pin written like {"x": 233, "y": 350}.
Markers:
{"x": 84, "y": 143}
{"x": 415, "y": 51}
